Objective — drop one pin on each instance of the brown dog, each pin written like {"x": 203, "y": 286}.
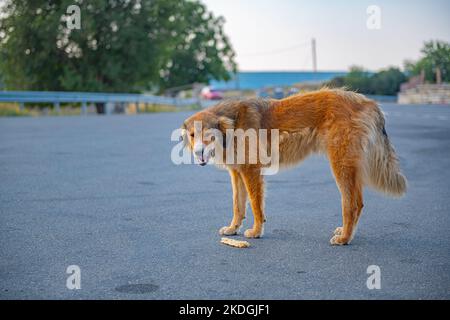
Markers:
{"x": 345, "y": 126}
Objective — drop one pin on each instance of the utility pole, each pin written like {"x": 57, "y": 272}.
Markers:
{"x": 314, "y": 54}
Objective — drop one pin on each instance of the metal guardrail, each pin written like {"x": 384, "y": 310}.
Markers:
{"x": 56, "y": 98}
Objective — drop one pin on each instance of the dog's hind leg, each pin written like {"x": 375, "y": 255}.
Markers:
{"x": 349, "y": 183}
{"x": 239, "y": 204}
{"x": 254, "y": 185}
{"x": 360, "y": 205}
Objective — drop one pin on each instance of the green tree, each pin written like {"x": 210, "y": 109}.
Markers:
{"x": 123, "y": 45}
{"x": 387, "y": 82}
{"x": 358, "y": 79}
{"x": 202, "y": 52}
{"x": 436, "y": 55}
{"x": 337, "y": 82}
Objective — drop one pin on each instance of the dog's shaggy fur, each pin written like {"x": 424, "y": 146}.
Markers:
{"x": 345, "y": 126}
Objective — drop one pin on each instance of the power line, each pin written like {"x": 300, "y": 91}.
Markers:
{"x": 306, "y": 62}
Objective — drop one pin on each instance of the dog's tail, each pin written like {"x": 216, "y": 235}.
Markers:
{"x": 382, "y": 165}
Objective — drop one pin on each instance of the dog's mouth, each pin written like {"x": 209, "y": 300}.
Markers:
{"x": 204, "y": 158}
{"x": 202, "y": 161}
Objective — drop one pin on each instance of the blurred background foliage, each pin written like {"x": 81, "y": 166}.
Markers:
{"x": 122, "y": 46}
{"x": 385, "y": 82}
{"x": 148, "y": 45}
{"x": 436, "y": 55}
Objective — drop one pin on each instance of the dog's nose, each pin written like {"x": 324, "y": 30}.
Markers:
{"x": 199, "y": 153}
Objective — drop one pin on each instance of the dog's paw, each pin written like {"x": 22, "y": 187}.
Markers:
{"x": 228, "y": 231}
{"x": 338, "y": 231}
{"x": 252, "y": 233}
{"x": 338, "y": 240}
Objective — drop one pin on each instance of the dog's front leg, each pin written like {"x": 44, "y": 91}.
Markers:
{"x": 239, "y": 204}
{"x": 254, "y": 185}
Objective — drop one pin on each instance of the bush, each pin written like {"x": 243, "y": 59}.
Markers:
{"x": 385, "y": 82}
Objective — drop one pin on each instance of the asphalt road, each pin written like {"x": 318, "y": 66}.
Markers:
{"x": 102, "y": 193}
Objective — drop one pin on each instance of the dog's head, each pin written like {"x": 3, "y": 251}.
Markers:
{"x": 201, "y": 131}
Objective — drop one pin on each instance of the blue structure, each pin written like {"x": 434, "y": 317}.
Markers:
{"x": 259, "y": 80}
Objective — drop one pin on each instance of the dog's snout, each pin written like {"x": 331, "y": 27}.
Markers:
{"x": 199, "y": 152}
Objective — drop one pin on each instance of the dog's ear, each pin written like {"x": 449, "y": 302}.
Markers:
{"x": 183, "y": 136}
{"x": 225, "y": 123}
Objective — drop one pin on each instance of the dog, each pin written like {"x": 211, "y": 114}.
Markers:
{"x": 345, "y": 126}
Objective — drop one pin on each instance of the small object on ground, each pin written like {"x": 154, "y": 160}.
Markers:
{"x": 235, "y": 243}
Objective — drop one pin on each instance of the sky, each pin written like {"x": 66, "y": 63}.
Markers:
{"x": 275, "y": 35}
